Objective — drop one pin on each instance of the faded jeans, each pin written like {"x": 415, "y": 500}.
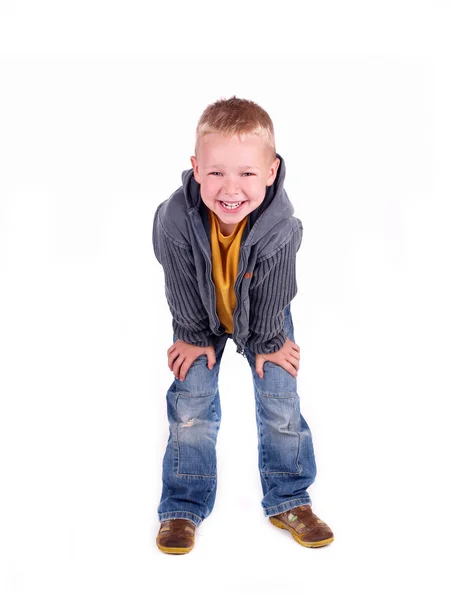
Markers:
{"x": 287, "y": 465}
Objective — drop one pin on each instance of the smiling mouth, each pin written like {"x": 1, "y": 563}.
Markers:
{"x": 231, "y": 205}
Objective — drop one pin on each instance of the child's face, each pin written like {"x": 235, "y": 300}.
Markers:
{"x": 233, "y": 171}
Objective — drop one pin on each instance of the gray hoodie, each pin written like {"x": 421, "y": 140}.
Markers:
{"x": 266, "y": 279}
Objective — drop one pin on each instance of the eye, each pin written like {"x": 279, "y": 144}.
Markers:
{"x": 248, "y": 173}
{"x": 213, "y": 173}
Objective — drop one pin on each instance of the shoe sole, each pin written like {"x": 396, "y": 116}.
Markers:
{"x": 168, "y": 550}
{"x": 297, "y": 538}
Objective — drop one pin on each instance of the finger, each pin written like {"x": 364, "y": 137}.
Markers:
{"x": 211, "y": 357}
{"x": 259, "y": 365}
{"x": 295, "y": 360}
{"x": 292, "y": 370}
{"x": 171, "y": 360}
{"x": 184, "y": 369}
{"x": 177, "y": 366}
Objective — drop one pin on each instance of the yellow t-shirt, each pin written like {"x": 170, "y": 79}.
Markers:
{"x": 225, "y": 258}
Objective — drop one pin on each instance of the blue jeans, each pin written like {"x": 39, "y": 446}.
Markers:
{"x": 286, "y": 464}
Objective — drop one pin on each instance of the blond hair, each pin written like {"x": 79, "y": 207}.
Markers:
{"x": 237, "y": 116}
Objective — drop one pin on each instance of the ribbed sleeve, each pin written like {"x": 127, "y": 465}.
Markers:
{"x": 273, "y": 287}
{"x": 190, "y": 320}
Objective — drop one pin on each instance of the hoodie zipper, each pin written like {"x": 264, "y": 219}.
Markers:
{"x": 241, "y": 350}
{"x": 237, "y": 283}
{"x": 193, "y": 216}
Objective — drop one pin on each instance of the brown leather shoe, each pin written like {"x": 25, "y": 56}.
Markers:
{"x": 176, "y": 536}
{"x": 306, "y": 528}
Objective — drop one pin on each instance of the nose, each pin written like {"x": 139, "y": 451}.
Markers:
{"x": 231, "y": 189}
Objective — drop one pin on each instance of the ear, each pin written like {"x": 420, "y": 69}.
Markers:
{"x": 273, "y": 171}
{"x": 194, "y": 164}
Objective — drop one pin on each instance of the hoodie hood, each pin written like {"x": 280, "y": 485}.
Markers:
{"x": 275, "y": 207}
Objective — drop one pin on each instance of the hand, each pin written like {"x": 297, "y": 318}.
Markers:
{"x": 287, "y": 357}
{"x": 182, "y": 355}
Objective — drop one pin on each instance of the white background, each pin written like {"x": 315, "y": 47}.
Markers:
{"x": 98, "y": 107}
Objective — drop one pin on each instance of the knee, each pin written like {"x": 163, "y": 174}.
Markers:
{"x": 199, "y": 379}
{"x": 195, "y": 413}
{"x": 276, "y": 383}
{"x": 279, "y": 413}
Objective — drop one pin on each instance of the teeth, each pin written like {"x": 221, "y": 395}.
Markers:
{"x": 232, "y": 205}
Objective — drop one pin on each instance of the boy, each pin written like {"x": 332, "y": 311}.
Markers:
{"x": 227, "y": 240}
